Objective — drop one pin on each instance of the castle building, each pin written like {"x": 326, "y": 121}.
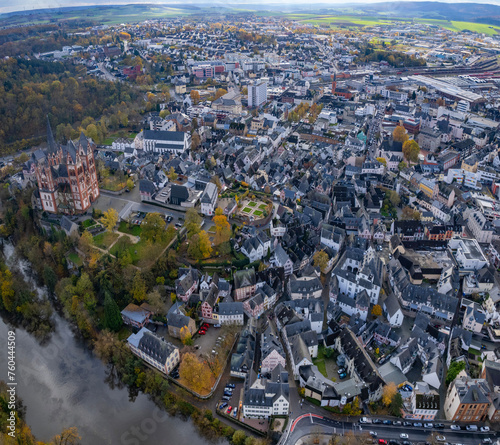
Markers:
{"x": 66, "y": 175}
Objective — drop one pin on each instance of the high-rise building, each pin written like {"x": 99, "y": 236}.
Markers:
{"x": 66, "y": 175}
{"x": 257, "y": 93}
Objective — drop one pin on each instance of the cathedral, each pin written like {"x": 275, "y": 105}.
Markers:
{"x": 66, "y": 175}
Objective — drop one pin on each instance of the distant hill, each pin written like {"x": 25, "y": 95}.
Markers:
{"x": 464, "y": 12}
{"x": 113, "y": 13}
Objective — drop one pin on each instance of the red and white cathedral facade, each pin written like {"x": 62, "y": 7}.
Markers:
{"x": 66, "y": 175}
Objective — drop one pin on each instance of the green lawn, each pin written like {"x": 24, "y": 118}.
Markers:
{"x": 252, "y": 204}
{"x": 247, "y": 210}
{"x": 75, "y": 259}
{"x": 320, "y": 363}
{"x": 262, "y": 207}
{"x": 88, "y": 223}
{"x": 104, "y": 240}
{"x": 142, "y": 253}
{"x": 257, "y": 213}
{"x": 134, "y": 230}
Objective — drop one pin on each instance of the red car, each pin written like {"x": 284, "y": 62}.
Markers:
{"x": 382, "y": 442}
{"x": 205, "y": 326}
{"x": 202, "y": 332}
{"x": 229, "y": 409}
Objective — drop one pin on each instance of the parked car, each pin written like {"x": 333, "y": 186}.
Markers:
{"x": 202, "y": 332}
{"x": 222, "y": 405}
{"x": 382, "y": 442}
{"x": 341, "y": 371}
{"x": 396, "y": 423}
{"x": 235, "y": 412}
{"x": 169, "y": 218}
{"x": 428, "y": 425}
{"x": 471, "y": 428}
{"x": 373, "y": 434}
{"x": 364, "y": 420}
{"x": 387, "y": 422}
{"x": 403, "y": 436}
{"x": 226, "y": 398}
{"x": 375, "y": 421}
{"x": 487, "y": 440}
{"x": 343, "y": 376}
{"x": 407, "y": 424}
{"x": 229, "y": 409}
{"x": 439, "y": 425}
{"x": 441, "y": 438}
{"x": 485, "y": 429}
{"x": 231, "y": 385}
{"x": 418, "y": 424}
{"x": 455, "y": 427}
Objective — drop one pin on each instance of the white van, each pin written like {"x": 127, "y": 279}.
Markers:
{"x": 471, "y": 428}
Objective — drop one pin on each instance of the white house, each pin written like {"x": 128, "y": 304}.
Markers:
{"x": 231, "y": 313}
{"x": 159, "y": 353}
{"x": 209, "y": 199}
{"x": 393, "y": 312}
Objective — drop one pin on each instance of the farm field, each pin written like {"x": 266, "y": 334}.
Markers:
{"x": 359, "y": 21}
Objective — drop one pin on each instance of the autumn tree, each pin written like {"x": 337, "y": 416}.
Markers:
{"x": 410, "y": 213}
{"x": 388, "y": 393}
{"x": 195, "y": 140}
{"x": 382, "y": 161}
{"x": 222, "y": 227}
{"x": 216, "y": 180}
{"x": 220, "y": 92}
{"x": 402, "y": 165}
{"x": 192, "y": 222}
{"x": 105, "y": 345}
{"x": 130, "y": 184}
{"x": 195, "y": 96}
{"x": 172, "y": 175}
{"x": 377, "y": 310}
{"x": 86, "y": 243}
{"x": 6, "y": 290}
{"x": 138, "y": 290}
{"x": 153, "y": 228}
{"x": 321, "y": 259}
{"x": 393, "y": 197}
{"x": 155, "y": 300}
{"x": 186, "y": 337}
{"x": 200, "y": 246}
{"x": 239, "y": 437}
{"x": 195, "y": 374}
{"x": 399, "y": 134}
{"x": 109, "y": 219}
{"x": 411, "y": 150}
{"x": 69, "y": 436}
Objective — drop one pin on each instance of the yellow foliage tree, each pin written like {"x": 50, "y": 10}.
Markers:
{"x": 320, "y": 260}
{"x": 222, "y": 227}
{"x": 377, "y": 310}
{"x": 195, "y": 96}
{"x": 399, "y": 134}
{"x": 388, "y": 393}
{"x": 195, "y": 374}
{"x": 109, "y": 219}
{"x": 382, "y": 161}
{"x": 186, "y": 337}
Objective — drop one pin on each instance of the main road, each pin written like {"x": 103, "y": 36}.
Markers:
{"x": 308, "y": 424}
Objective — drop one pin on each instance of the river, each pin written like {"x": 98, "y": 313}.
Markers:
{"x": 62, "y": 384}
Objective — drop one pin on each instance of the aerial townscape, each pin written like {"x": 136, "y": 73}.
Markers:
{"x": 250, "y": 226}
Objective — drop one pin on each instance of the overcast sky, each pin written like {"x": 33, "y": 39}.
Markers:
{"x": 26, "y": 5}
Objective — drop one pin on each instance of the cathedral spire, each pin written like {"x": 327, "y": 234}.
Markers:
{"x": 50, "y": 137}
